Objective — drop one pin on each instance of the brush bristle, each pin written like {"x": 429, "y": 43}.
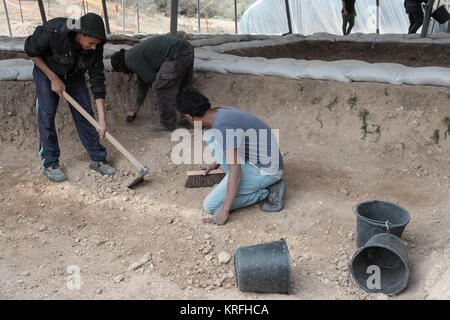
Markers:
{"x": 200, "y": 181}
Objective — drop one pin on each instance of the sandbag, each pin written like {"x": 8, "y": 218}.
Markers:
{"x": 322, "y": 70}
{"x": 436, "y": 76}
{"x": 24, "y": 73}
{"x": 377, "y": 72}
{"x": 15, "y": 63}
{"x": 285, "y": 67}
{"x": 211, "y": 65}
{"x": 8, "y": 74}
{"x": 246, "y": 66}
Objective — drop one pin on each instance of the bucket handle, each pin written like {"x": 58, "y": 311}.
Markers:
{"x": 388, "y": 229}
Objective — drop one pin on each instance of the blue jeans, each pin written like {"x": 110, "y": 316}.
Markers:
{"x": 253, "y": 186}
{"x": 46, "y": 105}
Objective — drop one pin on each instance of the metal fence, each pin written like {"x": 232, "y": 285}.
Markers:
{"x": 21, "y": 17}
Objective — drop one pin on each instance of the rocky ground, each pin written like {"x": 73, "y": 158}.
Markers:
{"x": 151, "y": 244}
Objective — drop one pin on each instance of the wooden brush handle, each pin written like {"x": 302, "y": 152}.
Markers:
{"x": 202, "y": 172}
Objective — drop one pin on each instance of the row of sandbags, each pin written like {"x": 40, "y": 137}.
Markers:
{"x": 344, "y": 70}
{"x": 245, "y": 41}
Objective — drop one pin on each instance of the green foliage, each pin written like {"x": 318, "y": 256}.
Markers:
{"x": 386, "y": 93}
{"x": 332, "y": 104}
{"x": 352, "y": 100}
{"x": 435, "y": 136}
{"x": 316, "y": 100}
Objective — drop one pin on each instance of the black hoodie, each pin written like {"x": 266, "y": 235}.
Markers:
{"x": 54, "y": 43}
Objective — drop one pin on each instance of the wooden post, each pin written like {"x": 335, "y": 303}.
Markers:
{"x": 137, "y": 17}
{"x": 288, "y": 14}
{"x": 426, "y": 23}
{"x": 123, "y": 15}
{"x": 105, "y": 16}
{"x": 173, "y": 17}
{"x": 20, "y": 6}
{"x": 42, "y": 11}
{"x": 7, "y": 18}
{"x": 378, "y": 16}
{"x": 198, "y": 15}
{"x": 235, "y": 17}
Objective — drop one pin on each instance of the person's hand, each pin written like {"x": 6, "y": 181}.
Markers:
{"x": 219, "y": 218}
{"x": 102, "y": 130}
{"x": 57, "y": 85}
{"x": 208, "y": 167}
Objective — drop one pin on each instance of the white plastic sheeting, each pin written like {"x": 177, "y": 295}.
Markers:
{"x": 312, "y": 16}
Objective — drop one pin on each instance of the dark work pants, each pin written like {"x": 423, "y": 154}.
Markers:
{"x": 46, "y": 105}
{"x": 415, "y": 14}
{"x": 174, "y": 75}
{"x": 350, "y": 20}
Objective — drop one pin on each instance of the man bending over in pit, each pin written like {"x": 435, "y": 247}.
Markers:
{"x": 246, "y": 149}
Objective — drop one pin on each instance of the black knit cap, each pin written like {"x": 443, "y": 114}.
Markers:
{"x": 92, "y": 25}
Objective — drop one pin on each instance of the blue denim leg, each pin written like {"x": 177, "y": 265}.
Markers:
{"x": 77, "y": 88}
{"x": 253, "y": 188}
{"x": 46, "y": 106}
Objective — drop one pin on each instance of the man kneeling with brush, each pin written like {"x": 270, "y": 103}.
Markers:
{"x": 246, "y": 149}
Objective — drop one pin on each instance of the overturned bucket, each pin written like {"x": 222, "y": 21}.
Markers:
{"x": 375, "y": 216}
{"x": 381, "y": 265}
{"x": 263, "y": 267}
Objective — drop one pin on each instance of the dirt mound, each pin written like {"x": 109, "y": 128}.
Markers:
{"x": 342, "y": 144}
{"x": 408, "y": 54}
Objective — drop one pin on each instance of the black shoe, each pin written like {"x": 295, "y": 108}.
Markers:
{"x": 131, "y": 116}
{"x": 274, "y": 201}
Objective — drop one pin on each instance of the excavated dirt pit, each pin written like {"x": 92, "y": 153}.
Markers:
{"x": 412, "y": 55}
{"x": 99, "y": 226}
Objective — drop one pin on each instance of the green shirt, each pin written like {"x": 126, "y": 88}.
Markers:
{"x": 146, "y": 58}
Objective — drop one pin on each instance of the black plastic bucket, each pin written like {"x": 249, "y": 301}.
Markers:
{"x": 441, "y": 15}
{"x": 374, "y": 216}
{"x": 384, "y": 256}
{"x": 263, "y": 267}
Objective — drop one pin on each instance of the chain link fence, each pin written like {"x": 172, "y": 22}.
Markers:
{"x": 21, "y": 17}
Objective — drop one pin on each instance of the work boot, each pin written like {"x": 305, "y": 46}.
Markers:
{"x": 102, "y": 167}
{"x": 274, "y": 201}
{"x": 159, "y": 127}
{"x": 54, "y": 173}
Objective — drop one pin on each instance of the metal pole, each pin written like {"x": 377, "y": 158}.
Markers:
{"x": 434, "y": 21}
{"x": 198, "y": 15}
{"x": 123, "y": 15}
{"x": 84, "y": 7}
{"x": 426, "y": 24}
{"x": 105, "y": 15}
{"x": 448, "y": 27}
{"x": 20, "y": 6}
{"x": 7, "y": 18}
{"x": 173, "y": 17}
{"x": 288, "y": 13}
{"x": 235, "y": 16}
{"x": 42, "y": 10}
{"x": 48, "y": 11}
{"x": 378, "y": 16}
{"x": 137, "y": 16}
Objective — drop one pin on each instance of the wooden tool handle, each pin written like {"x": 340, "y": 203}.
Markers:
{"x": 202, "y": 172}
{"x": 108, "y": 136}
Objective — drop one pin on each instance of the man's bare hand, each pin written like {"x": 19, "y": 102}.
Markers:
{"x": 102, "y": 130}
{"x": 208, "y": 167}
{"x": 57, "y": 85}
{"x": 219, "y": 218}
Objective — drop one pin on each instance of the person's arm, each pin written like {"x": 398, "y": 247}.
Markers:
{"x": 344, "y": 7}
{"x": 98, "y": 88}
{"x": 36, "y": 46}
{"x": 143, "y": 88}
